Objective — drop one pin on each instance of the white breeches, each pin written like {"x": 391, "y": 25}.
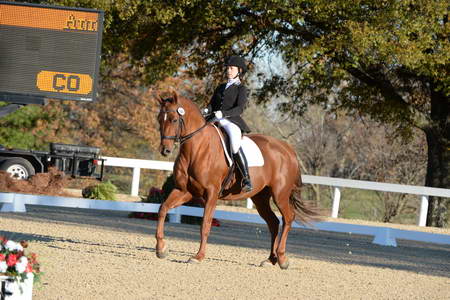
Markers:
{"x": 234, "y": 132}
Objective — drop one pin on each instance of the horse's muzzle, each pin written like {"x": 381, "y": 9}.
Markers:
{"x": 165, "y": 151}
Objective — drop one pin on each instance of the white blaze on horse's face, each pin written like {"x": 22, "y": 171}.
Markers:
{"x": 168, "y": 127}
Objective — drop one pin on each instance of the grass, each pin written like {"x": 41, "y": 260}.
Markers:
{"x": 122, "y": 177}
{"x": 364, "y": 205}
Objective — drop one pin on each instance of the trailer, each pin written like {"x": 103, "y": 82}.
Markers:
{"x": 73, "y": 160}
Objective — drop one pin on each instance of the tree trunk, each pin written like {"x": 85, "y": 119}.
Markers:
{"x": 438, "y": 140}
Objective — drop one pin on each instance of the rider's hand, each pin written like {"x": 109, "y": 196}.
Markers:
{"x": 218, "y": 114}
{"x": 205, "y": 111}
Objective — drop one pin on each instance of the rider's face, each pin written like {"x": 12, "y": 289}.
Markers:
{"x": 232, "y": 72}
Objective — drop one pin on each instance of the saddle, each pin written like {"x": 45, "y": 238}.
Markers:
{"x": 251, "y": 151}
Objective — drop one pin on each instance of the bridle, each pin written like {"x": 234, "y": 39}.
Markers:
{"x": 181, "y": 124}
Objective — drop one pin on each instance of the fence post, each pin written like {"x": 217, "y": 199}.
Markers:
{"x": 135, "y": 182}
{"x": 423, "y": 210}
{"x": 175, "y": 216}
{"x": 249, "y": 203}
{"x": 17, "y": 204}
{"x": 336, "y": 201}
{"x": 384, "y": 237}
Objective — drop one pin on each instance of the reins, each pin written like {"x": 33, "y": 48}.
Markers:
{"x": 181, "y": 124}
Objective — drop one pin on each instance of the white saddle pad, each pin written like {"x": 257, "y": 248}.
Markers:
{"x": 252, "y": 152}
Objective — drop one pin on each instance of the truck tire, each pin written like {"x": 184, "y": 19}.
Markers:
{"x": 18, "y": 168}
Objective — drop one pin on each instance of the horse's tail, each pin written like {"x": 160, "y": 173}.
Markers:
{"x": 306, "y": 212}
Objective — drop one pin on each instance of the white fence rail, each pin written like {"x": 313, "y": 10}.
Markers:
{"x": 336, "y": 183}
{"x": 11, "y": 202}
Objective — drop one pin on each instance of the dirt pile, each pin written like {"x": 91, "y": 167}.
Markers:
{"x": 52, "y": 183}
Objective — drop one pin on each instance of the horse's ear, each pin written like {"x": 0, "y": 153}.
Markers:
{"x": 159, "y": 99}
{"x": 175, "y": 96}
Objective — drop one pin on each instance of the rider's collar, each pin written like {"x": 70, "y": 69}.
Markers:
{"x": 230, "y": 82}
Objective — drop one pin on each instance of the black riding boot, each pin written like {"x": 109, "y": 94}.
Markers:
{"x": 242, "y": 164}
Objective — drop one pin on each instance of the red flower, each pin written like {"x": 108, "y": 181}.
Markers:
{"x": 2, "y": 257}
{"x": 29, "y": 268}
{"x": 215, "y": 223}
{"x": 11, "y": 260}
{"x": 33, "y": 258}
{"x": 3, "y": 239}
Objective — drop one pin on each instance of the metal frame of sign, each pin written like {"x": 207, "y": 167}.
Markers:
{"x": 39, "y": 97}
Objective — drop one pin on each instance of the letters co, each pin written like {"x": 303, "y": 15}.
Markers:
{"x": 60, "y": 82}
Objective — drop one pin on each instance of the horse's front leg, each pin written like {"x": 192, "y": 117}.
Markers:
{"x": 210, "y": 207}
{"x": 175, "y": 199}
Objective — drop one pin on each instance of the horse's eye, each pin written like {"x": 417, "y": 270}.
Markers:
{"x": 175, "y": 120}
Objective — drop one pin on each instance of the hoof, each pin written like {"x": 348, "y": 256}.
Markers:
{"x": 163, "y": 253}
{"x": 193, "y": 261}
{"x": 266, "y": 264}
{"x": 284, "y": 265}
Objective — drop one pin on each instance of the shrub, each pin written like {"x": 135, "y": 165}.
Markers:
{"x": 168, "y": 186}
{"x": 157, "y": 195}
{"x": 102, "y": 191}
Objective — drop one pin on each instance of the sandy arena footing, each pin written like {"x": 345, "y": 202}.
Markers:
{"x": 87, "y": 254}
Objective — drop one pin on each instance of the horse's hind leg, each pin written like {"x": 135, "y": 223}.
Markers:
{"x": 175, "y": 199}
{"x": 262, "y": 203}
{"x": 281, "y": 198}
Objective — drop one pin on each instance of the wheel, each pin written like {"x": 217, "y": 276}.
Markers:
{"x": 18, "y": 167}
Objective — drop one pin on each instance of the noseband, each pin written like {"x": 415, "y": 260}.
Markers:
{"x": 181, "y": 124}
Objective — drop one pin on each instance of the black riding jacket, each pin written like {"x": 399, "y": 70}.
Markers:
{"x": 231, "y": 102}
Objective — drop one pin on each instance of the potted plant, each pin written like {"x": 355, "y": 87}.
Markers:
{"x": 18, "y": 270}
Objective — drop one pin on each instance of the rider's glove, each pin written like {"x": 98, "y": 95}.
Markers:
{"x": 205, "y": 111}
{"x": 218, "y": 114}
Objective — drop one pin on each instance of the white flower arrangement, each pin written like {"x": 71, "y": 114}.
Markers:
{"x": 15, "y": 263}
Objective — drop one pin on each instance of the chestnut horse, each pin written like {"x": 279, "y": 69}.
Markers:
{"x": 201, "y": 167}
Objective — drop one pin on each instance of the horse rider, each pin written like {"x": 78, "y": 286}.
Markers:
{"x": 225, "y": 108}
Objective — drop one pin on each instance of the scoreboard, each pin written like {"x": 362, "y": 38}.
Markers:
{"x": 49, "y": 52}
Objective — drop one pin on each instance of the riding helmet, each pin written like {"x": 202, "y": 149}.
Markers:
{"x": 236, "y": 61}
